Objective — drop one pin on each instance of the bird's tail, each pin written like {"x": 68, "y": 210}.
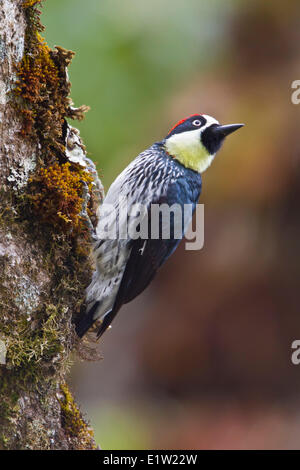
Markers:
{"x": 108, "y": 318}
{"x": 86, "y": 321}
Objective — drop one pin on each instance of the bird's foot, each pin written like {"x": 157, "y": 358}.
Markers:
{"x": 84, "y": 211}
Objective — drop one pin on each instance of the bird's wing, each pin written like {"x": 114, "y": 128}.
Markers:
{"x": 126, "y": 267}
{"x": 148, "y": 255}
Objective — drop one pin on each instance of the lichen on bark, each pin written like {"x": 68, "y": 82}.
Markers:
{"x": 44, "y": 266}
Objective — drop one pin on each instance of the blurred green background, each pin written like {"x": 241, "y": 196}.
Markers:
{"x": 132, "y": 57}
{"x": 202, "y": 358}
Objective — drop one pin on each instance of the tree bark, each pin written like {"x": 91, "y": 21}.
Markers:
{"x": 47, "y": 186}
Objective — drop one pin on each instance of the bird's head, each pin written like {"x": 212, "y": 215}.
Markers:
{"x": 194, "y": 141}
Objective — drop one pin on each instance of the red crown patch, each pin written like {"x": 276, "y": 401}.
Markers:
{"x": 183, "y": 120}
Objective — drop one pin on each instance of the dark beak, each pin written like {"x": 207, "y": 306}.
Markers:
{"x": 214, "y": 135}
{"x": 224, "y": 131}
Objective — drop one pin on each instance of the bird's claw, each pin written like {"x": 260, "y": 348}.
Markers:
{"x": 84, "y": 213}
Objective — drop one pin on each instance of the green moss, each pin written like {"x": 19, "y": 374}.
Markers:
{"x": 36, "y": 326}
{"x": 39, "y": 337}
{"x": 42, "y": 99}
{"x": 30, "y": 3}
{"x": 37, "y": 82}
{"x": 42, "y": 88}
{"x": 3, "y": 442}
{"x": 26, "y": 347}
{"x": 57, "y": 195}
{"x": 72, "y": 420}
{"x": 8, "y": 404}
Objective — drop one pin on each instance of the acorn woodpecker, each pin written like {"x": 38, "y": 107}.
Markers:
{"x": 168, "y": 172}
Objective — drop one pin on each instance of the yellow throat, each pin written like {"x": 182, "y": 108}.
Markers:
{"x": 188, "y": 149}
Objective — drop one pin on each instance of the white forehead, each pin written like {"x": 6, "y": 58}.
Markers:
{"x": 209, "y": 121}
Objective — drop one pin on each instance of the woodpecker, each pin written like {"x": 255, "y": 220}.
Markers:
{"x": 168, "y": 172}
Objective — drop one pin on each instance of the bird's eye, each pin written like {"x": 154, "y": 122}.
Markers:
{"x": 197, "y": 123}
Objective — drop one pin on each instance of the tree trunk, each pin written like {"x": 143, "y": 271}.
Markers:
{"x": 47, "y": 186}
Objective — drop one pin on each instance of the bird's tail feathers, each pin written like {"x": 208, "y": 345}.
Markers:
{"x": 107, "y": 319}
{"x": 87, "y": 321}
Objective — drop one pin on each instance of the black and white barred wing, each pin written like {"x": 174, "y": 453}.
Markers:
{"x": 112, "y": 249}
{"x": 127, "y": 263}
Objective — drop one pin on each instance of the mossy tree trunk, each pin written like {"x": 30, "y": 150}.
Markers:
{"x": 46, "y": 186}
